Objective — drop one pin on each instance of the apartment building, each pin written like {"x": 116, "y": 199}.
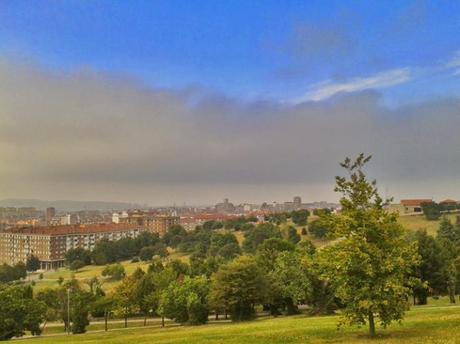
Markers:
{"x": 153, "y": 222}
{"x": 51, "y": 243}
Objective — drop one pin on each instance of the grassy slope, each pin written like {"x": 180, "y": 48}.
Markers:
{"x": 50, "y": 278}
{"x": 419, "y": 222}
{"x": 422, "y": 325}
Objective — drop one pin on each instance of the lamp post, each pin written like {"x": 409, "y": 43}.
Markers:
{"x": 68, "y": 310}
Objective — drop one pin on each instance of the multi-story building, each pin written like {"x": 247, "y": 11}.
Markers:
{"x": 153, "y": 222}
{"x": 49, "y": 244}
{"x": 49, "y": 214}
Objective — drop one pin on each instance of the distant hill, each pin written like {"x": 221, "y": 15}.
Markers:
{"x": 69, "y": 205}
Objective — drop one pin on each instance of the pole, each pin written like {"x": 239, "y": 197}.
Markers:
{"x": 68, "y": 310}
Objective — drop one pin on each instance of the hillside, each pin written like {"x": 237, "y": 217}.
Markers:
{"x": 417, "y": 222}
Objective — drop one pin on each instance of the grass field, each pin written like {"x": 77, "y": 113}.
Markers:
{"x": 50, "y": 278}
{"x": 436, "y": 324}
{"x": 417, "y": 222}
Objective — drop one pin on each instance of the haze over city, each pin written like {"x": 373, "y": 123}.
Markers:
{"x": 162, "y": 103}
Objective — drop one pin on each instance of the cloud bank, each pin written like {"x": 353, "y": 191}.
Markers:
{"x": 91, "y": 136}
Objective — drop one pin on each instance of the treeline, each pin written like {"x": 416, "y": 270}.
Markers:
{"x": 433, "y": 211}
{"x": 439, "y": 271}
{"x": 143, "y": 247}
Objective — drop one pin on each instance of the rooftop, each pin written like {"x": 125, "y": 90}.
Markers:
{"x": 73, "y": 229}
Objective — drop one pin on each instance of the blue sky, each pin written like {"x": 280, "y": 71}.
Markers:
{"x": 171, "y": 101}
{"x": 278, "y": 50}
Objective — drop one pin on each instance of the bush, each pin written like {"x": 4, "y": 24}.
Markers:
{"x": 76, "y": 264}
{"x": 115, "y": 271}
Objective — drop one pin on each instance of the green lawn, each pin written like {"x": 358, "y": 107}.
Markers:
{"x": 50, "y": 278}
{"x": 439, "y": 324}
{"x": 417, "y": 222}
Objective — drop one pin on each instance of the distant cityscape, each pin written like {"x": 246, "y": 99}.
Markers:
{"x": 48, "y": 234}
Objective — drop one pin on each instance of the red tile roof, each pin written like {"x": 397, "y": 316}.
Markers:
{"x": 73, "y": 229}
{"x": 415, "y": 202}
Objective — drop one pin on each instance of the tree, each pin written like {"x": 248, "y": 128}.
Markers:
{"x": 432, "y": 211}
{"x": 224, "y": 245}
{"x": 19, "y": 312}
{"x": 253, "y": 238}
{"x": 371, "y": 263}
{"x": 78, "y": 253}
{"x": 449, "y": 240}
{"x": 104, "y": 253}
{"x": 12, "y": 273}
{"x": 290, "y": 278}
{"x": 318, "y": 229}
{"x": 186, "y": 301}
{"x": 430, "y": 270}
{"x": 268, "y": 252}
{"x": 300, "y": 217}
{"x": 237, "y": 287}
{"x": 174, "y": 235}
{"x": 32, "y": 263}
{"x": 76, "y": 265}
{"x": 146, "y": 253}
{"x": 125, "y": 295}
{"x": 115, "y": 271}
{"x": 292, "y": 235}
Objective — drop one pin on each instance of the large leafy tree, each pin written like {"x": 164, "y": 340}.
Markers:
{"x": 19, "y": 312}
{"x": 237, "y": 287}
{"x": 186, "y": 301}
{"x": 449, "y": 240}
{"x": 431, "y": 268}
{"x": 371, "y": 262}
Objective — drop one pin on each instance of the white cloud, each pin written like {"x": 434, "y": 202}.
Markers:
{"x": 326, "y": 89}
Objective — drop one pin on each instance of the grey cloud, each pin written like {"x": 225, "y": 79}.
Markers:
{"x": 85, "y": 135}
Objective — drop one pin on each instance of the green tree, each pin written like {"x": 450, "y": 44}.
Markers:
{"x": 237, "y": 287}
{"x": 318, "y": 229}
{"x": 186, "y": 301}
{"x": 19, "y": 312}
{"x": 300, "y": 217}
{"x": 292, "y": 235}
{"x": 449, "y": 240}
{"x": 430, "y": 271}
{"x": 255, "y": 237}
{"x": 32, "y": 263}
{"x": 268, "y": 252}
{"x": 371, "y": 262}
{"x": 80, "y": 254}
{"x": 432, "y": 211}
{"x": 114, "y": 271}
{"x": 291, "y": 279}
{"x": 76, "y": 265}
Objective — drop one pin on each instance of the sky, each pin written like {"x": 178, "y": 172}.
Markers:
{"x": 166, "y": 102}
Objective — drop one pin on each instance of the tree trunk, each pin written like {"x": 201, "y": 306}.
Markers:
{"x": 452, "y": 294}
{"x": 217, "y": 316}
{"x": 145, "y": 321}
{"x": 371, "y": 325}
{"x": 105, "y": 321}
{"x": 126, "y": 320}
{"x": 162, "y": 321}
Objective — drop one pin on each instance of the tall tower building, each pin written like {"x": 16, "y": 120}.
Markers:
{"x": 49, "y": 214}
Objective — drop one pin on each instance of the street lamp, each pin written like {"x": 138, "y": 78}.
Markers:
{"x": 68, "y": 310}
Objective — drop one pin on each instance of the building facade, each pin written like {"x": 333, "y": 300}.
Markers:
{"x": 50, "y": 244}
{"x": 153, "y": 223}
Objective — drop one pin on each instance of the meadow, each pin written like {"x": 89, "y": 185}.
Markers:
{"x": 437, "y": 323}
